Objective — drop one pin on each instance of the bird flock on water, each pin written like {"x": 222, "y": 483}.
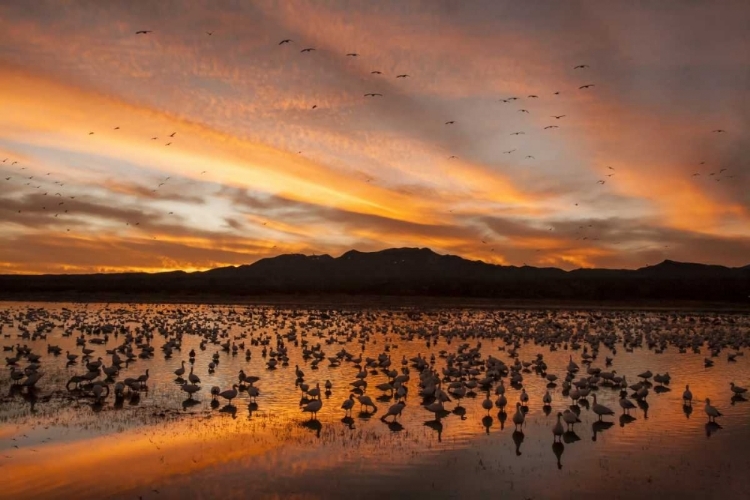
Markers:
{"x": 463, "y": 358}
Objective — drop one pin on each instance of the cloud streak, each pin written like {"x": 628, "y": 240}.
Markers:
{"x": 222, "y": 149}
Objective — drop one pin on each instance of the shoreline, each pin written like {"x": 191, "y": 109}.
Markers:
{"x": 382, "y": 301}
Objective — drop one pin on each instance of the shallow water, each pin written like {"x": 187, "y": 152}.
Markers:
{"x": 56, "y": 443}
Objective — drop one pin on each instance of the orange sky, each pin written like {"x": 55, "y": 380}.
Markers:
{"x": 252, "y": 170}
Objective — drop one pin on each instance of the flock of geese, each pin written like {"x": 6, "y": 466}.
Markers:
{"x": 478, "y": 355}
{"x": 64, "y": 209}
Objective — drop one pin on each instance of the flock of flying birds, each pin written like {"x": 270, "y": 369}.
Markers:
{"x": 61, "y": 209}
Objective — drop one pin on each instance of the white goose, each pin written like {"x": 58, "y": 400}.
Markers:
{"x": 711, "y": 411}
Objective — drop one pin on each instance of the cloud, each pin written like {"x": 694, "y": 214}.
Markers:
{"x": 252, "y": 169}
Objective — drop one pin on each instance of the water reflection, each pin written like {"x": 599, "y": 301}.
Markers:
{"x": 174, "y": 411}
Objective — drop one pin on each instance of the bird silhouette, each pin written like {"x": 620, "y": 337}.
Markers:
{"x": 550, "y": 126}
{"x": 352, "y": 54}
{"x": 589, "y": 85}
{"x": 143, "y": 32}
{"x": 558, "y": 116}
{"x": 373, "y": 95}
{"x": 451, "y": 122}
{"x": 375, "y": 73}
{"x": 402, "y": 76}
{"x": 310, "y": 49}
{"x": 581, "y": 66}
{"x": 286, "y": 40}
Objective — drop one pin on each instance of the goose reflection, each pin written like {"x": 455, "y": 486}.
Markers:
{"x": 437, "y": 426}
{"x": 600, "y": 426}
{"x": 230, "y": 409}
{"x": 738, "y": 398}
{"x": 502, "y": 417}
{"x": 625, "y": 419}
{"x": 188, "y": 403}
{"x": 460, "y": 411}
{"x": 487, "y": 421}
{"x": 518, "y": 440}
{"x": 712, "y": 428}
{"x": 394, "y": 426}
{"x": 313, "y": 425}
{"x": 643, "y": 405}
{"x": 570, "y": 437}
{"x": 348, "y": 421}
{"x": 687, "y": 409}
{"x": 558, "y": 448}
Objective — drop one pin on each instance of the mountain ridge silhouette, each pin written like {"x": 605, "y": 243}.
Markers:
{"x": 409, "y": 272}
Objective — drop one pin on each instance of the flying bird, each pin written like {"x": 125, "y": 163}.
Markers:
{"x": 523, "y": 110}
{"x": 508, "y": 152}
{"x": 373, "y": 95}
{"x": 551, "y": 126}
{"x": 557, "y": 117}
{"x": 402, "y": 76}
{"x": 314, "y": 106}
{"x": 172, "y": 134}
{"x": 610, "y": 168}
{"x": 286, "y": 40}
{"x": 143, "y": 32}
{"x": 586, "y": 86}
{"x": 530, "y": 157}
{"x": 352, "y": 54}
{"x": 307, "y": 50}
{"x": 453, "y": 157}
{"x": 518, "y": 133}
{"x": 375, "y": 73}
{"x": 581, "y": 66}
{"x": 91, "y": 133}
{"x": 601, "y": 182}
{"x": 209, "y": 33}
{"x": 532, "y": 96}
{"x": 719, "y": 131}
{"x": 117, "y": 128}
{"x": 450, "y": 122}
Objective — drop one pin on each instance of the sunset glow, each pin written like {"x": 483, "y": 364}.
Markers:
{"x": 242, "y": 167}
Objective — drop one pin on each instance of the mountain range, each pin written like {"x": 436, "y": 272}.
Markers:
{"x": 405, "y": 272}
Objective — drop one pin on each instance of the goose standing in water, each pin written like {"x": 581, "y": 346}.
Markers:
{"x": 571, "y": 419}
{"x": 181, "y": 370}
{"x": 547, "y": 398}
{"x": 601, "y": 410}
{"x": 348, "y": 404}
{"x": 687, "y": 396}
{"x": 487, "y": 404}
{"x": 711, "y": 411}
{"x": 558, "y": 430}
{"x": 737, "y": 390}
{"x": 193, "y": 378}
{"x": 394, "y": 411}
{"x": 229, "y": 394}
{"x": 313, "y": 408}
{"x": 626, "y": 405}
{"x": 518, "y": 417}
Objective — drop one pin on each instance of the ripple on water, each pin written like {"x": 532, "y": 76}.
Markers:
{"x": 199, "y": 450}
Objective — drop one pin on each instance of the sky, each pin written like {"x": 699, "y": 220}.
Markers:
{"x": 207, "y": 143}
